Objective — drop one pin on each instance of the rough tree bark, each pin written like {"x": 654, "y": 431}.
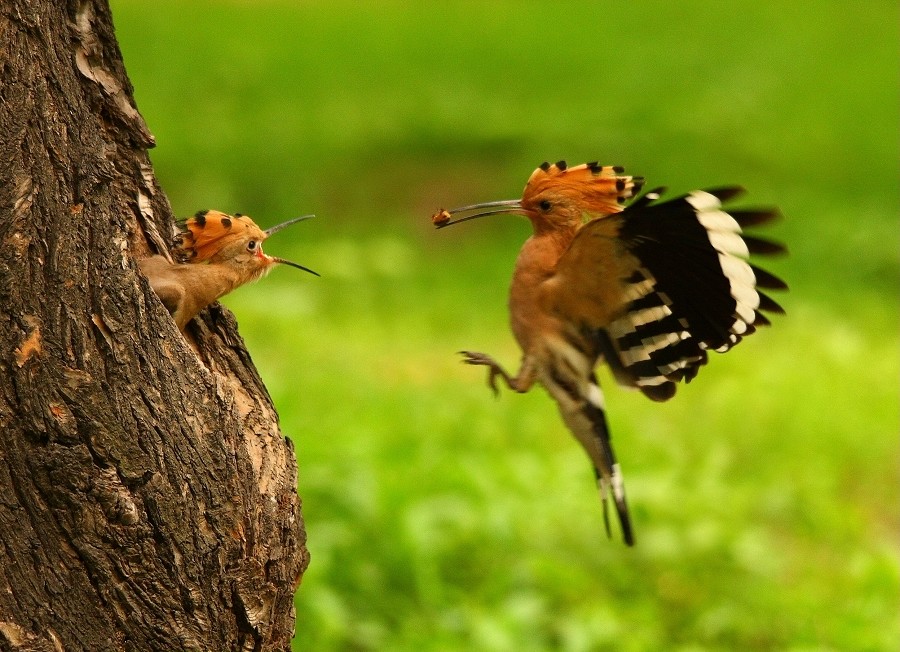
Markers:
{"x": 147, "y": 498}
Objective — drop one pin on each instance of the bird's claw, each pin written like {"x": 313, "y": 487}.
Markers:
{"x": 494, "y": 368}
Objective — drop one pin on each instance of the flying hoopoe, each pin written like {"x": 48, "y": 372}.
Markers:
{"x": 649, "y": 287}
{"x": 216, "y": 254}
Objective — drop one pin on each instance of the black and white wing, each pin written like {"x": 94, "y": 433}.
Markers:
{"x": 664, "y": 282}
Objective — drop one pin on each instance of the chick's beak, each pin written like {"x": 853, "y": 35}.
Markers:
{"x": 282, "y": 261}
{"x": 284, "y": 225}
{"x": 271, "y": 260}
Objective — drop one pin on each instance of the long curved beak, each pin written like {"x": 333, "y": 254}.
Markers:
{"x": 284, "y": 225}
{"x": 289, "y": 263}
{"x": 465, "y": 213}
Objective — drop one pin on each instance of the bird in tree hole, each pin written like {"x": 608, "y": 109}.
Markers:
{"x": 215, "y": 254}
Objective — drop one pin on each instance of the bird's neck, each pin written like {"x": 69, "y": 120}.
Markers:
{"x": 214, "y": 280}
{"x": 536, "y": 263}
{"x": 541, "y": 252}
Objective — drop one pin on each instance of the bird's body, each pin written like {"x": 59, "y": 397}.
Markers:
{"x": 187, "y": 288}
{"x": 648, "y": 288}
{"x": 216, "y": 254}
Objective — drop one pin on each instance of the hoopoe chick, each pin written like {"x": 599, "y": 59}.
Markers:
{"x": 649, "y": 287}
{"x": 215, "y": 254}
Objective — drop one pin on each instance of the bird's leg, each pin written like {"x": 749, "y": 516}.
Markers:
{"x": 520, "y": 383}
{"x": 494, "y": 369}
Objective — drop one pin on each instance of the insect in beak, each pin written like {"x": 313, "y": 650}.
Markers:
{"x": 464, "y": 213}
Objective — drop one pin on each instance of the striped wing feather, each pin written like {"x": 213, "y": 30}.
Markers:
{"x": 661, "y": 283}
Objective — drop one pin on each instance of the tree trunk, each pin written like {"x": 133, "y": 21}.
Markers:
{"x": 147, "y": 498}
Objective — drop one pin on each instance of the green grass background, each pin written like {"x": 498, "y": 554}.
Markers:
{"x": 765, "y": 495}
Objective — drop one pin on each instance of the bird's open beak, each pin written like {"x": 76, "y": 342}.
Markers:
{"x": 464, "y": 213}
{"x": 279, "y": 227}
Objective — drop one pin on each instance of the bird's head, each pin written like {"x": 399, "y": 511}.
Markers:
{"x": 557, "y": 196}
{"x": 235, "y": 240}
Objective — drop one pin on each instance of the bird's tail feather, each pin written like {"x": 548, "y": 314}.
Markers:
{"x": 609, "y": 475}
{"x": 601, "y": 487}
{"x": 584, "y": 414}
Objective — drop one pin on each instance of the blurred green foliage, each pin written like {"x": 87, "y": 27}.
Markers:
{"x": 765, "y": 495}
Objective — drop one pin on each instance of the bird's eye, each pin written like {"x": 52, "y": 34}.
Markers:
{"x": 545, "y": 205}
{"x": 251, "y": 246}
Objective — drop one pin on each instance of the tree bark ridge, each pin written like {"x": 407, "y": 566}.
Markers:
{"x": 147, "y": 497}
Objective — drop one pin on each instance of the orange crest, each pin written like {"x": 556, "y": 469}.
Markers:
{"x": 597, "y": 188}
{"x": 209, "y": 231}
